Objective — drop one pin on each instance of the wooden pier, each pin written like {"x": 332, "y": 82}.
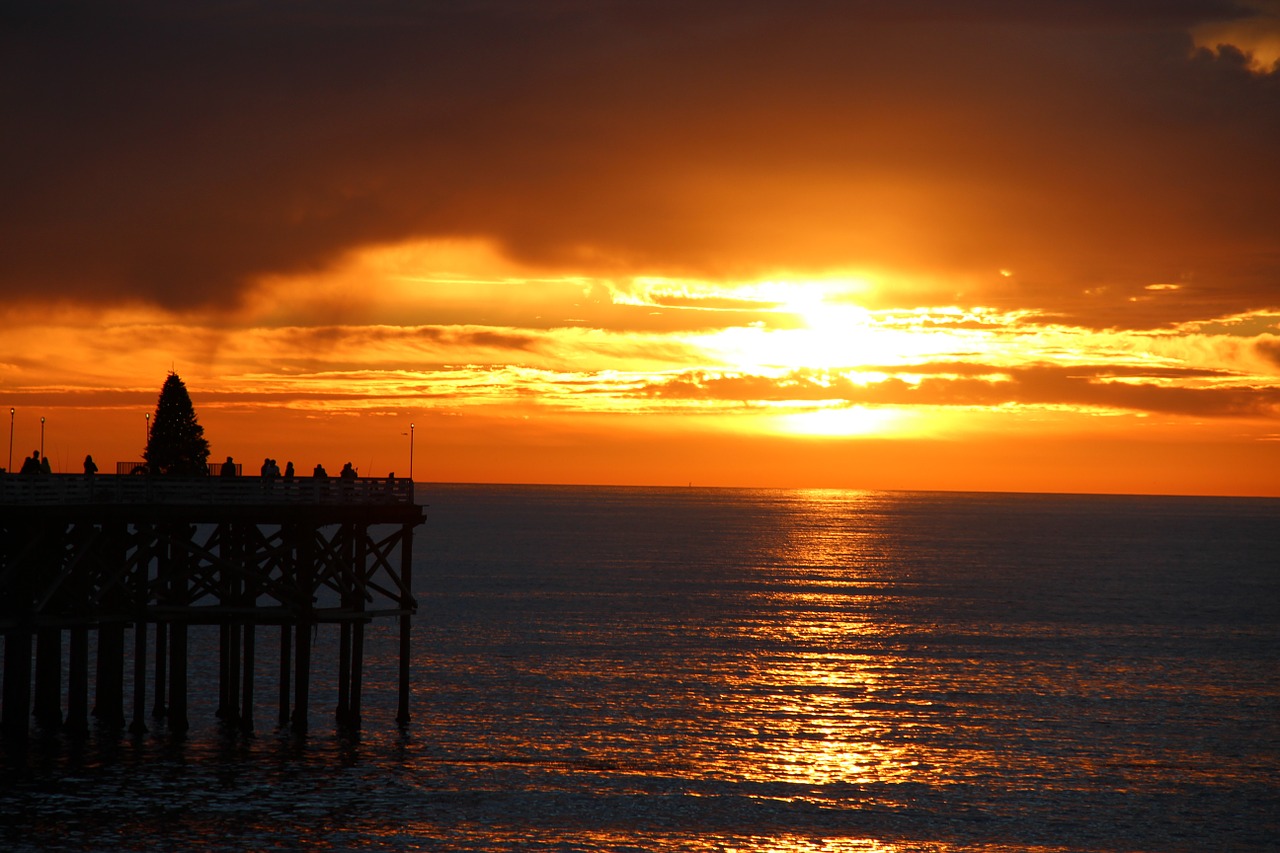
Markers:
{"x": 153, "y": 556}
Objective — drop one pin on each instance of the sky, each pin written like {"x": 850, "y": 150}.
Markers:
{"x": 992, "y": 245}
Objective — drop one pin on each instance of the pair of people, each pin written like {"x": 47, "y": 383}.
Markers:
{"x": 348, "y": 472}
{"x": 36, "y": 464}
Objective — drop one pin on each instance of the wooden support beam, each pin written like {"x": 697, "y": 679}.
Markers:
{"x": 357, "y": 674}
{"x": 77, "y": 721}
{"x": 407, "y": 605}
{"x": 139, "y": 725}
{"x": 111, "y": 597}
{"x": 302, "y": 677}
{"x": 15, "y": 722}
{"x": 174, "y": 589}
{"x": 48, "y": 689}
{"x": 304, "y": 576}
{"x": 344, "y": 555}
{"x": 231, "y": 709}
{"x": 176, "y": 718}
{"x": 246, "y": 690}
{"x": 165, "y": 567}
{"x": 161, "y": 669}
{"x": 108, "y": 705}
{"x": 286, "y": 654}
{"x": 342, "y": 714}
{"x": 356, "y": 605}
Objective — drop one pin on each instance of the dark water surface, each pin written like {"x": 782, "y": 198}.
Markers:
{"x": 689, "y": 669}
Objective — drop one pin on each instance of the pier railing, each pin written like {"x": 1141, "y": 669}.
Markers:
{"x": 77, "y": 489}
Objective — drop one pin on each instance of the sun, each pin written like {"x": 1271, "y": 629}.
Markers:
{"x": 817, "y": 339}
{"x": 833, "y": 335}
{"x": 821, "y": 325}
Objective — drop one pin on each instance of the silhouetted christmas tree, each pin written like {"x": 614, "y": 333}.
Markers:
{"x": 177, "y": 445}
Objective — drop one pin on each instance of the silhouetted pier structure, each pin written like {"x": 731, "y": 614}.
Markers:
{"x": 155, "y": 555}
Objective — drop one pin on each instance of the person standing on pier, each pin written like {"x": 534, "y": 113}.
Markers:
{"x": 228, "y": 468}
{"x": 348, "y": 478}
{"x": 270, "y": 472}
{"x": 320, "y": 478}
{"x": 90, "y": 467}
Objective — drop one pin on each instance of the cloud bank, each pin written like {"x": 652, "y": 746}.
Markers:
{"x": 176, "y": 154}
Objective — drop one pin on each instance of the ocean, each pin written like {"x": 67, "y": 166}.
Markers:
{"x": 636, "y": 669}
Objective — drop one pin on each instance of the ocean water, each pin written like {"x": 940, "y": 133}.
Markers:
{"x": 626, "y": 669}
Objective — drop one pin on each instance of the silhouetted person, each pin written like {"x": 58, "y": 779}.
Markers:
{"x": 348, "y": 480}
{"x": 269, "y": 472}
{"x": 31, "y": 465}
{"x": 45, "y": 468}
{"x": 90, "y": 467}
{"x": 228, "y": 468}
{"x": 320, "y": 477}
{"x": 288, "y": 472}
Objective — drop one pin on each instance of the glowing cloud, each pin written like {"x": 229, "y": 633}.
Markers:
{"x": 1257, "y": 37}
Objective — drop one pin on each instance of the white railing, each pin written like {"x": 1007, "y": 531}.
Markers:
{"x": 53, "y": 489}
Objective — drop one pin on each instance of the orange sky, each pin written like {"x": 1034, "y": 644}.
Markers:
{"x": 891, "y": 245}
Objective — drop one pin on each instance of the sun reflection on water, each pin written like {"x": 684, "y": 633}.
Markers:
{"x": 821, "y": 690}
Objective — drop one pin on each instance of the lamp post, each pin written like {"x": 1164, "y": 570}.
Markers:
{"x": 10, "y": 467}
{"x": 148, "y": 442}
{"x": 410, "y": 453}
{"x": 42, "y": 438}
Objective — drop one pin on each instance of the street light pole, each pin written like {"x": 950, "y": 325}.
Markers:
{"x": 148, "y": 431}
{"x": 10, "y": 468}
{"x": 410, "y": 453}
{"x": 41, "y": 438}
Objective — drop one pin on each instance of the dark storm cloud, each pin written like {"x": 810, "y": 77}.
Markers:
{"x": 172, "y": 152}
